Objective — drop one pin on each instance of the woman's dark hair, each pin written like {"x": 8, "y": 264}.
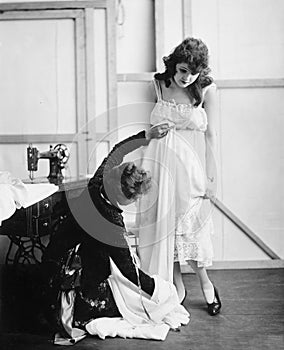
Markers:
{"x": 134, "y": 181}
{"x": 195, "y": 53}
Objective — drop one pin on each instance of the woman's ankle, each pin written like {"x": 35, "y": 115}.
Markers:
{"x": 208, "y": 292}
{"x": 181, "y": 292}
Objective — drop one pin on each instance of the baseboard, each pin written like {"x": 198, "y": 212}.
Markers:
{"x": 229, "y": 265}
{"x": 240, "y": 264}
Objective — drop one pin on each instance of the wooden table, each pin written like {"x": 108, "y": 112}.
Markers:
{"x": 29, "y": 229}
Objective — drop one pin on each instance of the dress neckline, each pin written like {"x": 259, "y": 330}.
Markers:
{"x": 174, "y": 103}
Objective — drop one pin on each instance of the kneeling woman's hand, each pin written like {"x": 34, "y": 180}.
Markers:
{"x": 157, "y": 131}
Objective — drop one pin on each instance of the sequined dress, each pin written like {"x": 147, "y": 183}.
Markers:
{"x": 174, "y": 219}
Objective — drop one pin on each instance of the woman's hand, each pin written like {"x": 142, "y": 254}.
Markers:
{"x": 157, "y": 131}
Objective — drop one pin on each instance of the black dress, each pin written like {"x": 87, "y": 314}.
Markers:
{"x": 92, "y": 233}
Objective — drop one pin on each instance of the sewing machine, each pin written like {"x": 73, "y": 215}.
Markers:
{"x": 58, "y": 157}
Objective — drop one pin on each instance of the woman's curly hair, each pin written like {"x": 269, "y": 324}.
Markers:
{"x": 134, "y": 181}
{"x": 195, "y": 53}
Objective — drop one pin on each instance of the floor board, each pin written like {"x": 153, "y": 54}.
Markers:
{"x": 252, "y": 318}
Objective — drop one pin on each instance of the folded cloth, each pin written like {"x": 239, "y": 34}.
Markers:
{"x": 72, "y": 334}
{"x": 7, "y": 203}
{"x": 151, "y": 317}
{"x": 140, "y": 308}
{"x": 14, "y": 194}
{"x": 143, "y": 316}
{"x": 37, "y": 192}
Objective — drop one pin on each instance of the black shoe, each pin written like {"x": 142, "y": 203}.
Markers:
{"x": 185, "y": 295}
{"x": 215, "y": 307}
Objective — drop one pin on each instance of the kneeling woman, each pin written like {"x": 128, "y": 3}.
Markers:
{"x": 91, "y": 272}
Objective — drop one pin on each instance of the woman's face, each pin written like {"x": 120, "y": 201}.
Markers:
{"x": 183, "y": 76}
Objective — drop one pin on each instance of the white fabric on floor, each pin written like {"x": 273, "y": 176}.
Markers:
{"x": 118, "y": 327}
{"x": 143, "y": 316}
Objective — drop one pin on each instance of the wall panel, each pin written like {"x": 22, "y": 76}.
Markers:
{"x": 252, "y": 160}
{"x": 57, "y": 70}
{"x": 250, "y": 40}
{"x": 37, "y": 82}
{"x": 100, "y": 70}
{"x": 136, "y": 38}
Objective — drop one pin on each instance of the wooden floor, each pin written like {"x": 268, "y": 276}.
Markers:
{"x": 252, "y": 317}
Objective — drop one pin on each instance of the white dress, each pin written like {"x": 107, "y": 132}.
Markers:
{"x": 174, "y": 220}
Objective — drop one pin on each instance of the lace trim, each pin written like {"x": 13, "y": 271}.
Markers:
{"x": 181, "y": 107}
{"x": 184, "y": 116}
{"x": 185, "y": 251}
{"x": 192, "y": 224}
{"x": 193, "y": 239}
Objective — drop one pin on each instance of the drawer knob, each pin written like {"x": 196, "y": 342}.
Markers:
{"x": 46, "y": 205}
{"x": 45, "y": 224}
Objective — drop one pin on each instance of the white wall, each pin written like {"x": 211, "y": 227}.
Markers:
{"x": 135, "y": 54}
{"x": 245, "y": 40}
{"x": 246, "y": 43}
{"x": 43, "y": 89}
{"x": 245, "y": 36}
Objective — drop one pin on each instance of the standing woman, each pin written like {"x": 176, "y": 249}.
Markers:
{"x": 174, "y": 219}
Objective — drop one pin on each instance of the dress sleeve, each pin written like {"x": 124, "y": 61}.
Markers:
{"x": 123, "y": 260}
{"x": 117, "y": 154}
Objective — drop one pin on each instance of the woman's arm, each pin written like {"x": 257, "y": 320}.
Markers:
{"x": 210, "y": 106}
{"x": 123, "y": 260}
{"x": 115, "y": 157}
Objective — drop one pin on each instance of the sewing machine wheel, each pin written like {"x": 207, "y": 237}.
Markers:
{"x": 62, "y": 154}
